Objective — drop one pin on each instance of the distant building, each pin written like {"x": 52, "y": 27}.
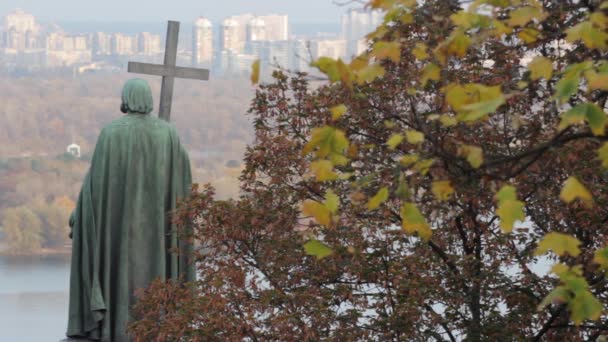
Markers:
{"x": 256, "y": 30}
{"x": 102, "y": 43}
{"x": 202, "y": 43}
{"x": 122, "y": 44}
{"x": 230, "y": 39}
{"x": 148, "y": 43}
{"x": 277, "y": 26}
{"x": 335, "y": 48}
{"x": 74, "y": 150}
{"x": 356, "y": 24}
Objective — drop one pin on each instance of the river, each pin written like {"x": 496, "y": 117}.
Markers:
{"x": 33, "y": 298}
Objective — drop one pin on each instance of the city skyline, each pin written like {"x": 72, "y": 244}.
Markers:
{"x": 321, "y": 11}
{"x": 227, "y": 48}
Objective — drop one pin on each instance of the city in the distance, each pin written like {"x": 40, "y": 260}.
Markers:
{"x": 227, "y": 48}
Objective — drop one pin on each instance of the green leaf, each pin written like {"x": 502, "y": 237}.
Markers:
{"x": 565, "y": 88}
{"x": 394, "y": 141}
{"x": 413, "y": 221}
{"x": 329, "y": 67}
{"x": 602, "y": 153}
{"x": 573, "y": 189}
{"x": 510, "y": 209}
{"x": 378, "y": 199}
{"x": 337, "y": 111}
{"x": 414, "y": 137}
{"x": 332, "y": 201}
{"x": 476, "y": 111}
{"x": 541, "y": 67}
{"x": 559, "y": 295}
{"x": 255, "y": 72}
{"x": 560, "y": 244}
{"x": 318, "y": 249}
{"x": 442, "y": 190}
{"x": 584, "y": 306}
{"x": 591, "y": 112}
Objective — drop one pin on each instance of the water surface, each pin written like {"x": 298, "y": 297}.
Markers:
{"x": 33, "y": 298}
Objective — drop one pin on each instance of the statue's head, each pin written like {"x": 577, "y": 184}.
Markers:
{"x": 136, "y": 97}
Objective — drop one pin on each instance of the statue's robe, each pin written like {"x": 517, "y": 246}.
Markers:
{"x": 122, "y": 234}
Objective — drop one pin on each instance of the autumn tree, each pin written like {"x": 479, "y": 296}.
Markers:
{"x": 447, "y": 184}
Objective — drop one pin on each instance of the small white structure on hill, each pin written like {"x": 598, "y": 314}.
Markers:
{"x": 74, "y": 149}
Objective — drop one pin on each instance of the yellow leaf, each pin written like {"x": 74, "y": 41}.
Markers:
{"x": 332, "y": 201}
{"x": 561, "y": 244}
{"x": 528, "y": 35}
{"x": 414, "y": 137}
{"x": 255, "y": 72}
{"x": 455, "y": 96}
{"x": 391, "y": 50}
{"x": 448, "y": 121}
{"x": 419, "y": 51}
{"x": 602, "y": 153}
{"x": 337, "y": 111}
{"x": 442, "y": 190}
{"x": 573, "y": 189}
{"x": 473, "y": 154}
{"x": 378, "y": 199}
{"x": 408, "y": 160}
{"x": 424, "y": 166}
{"x": 394, "y": 141}
{"x": 597, "y": 80}
{"x": 541, "y": 67}
{"x": 323, "y": 170}
{"x": 413, "y": 221}
{"x": 592, "y": 36}
{"x": 430, "y": 72}
{"x": 601, "y": 257}
{"x": 510, "y": 209}
{"x": 458, "y": 43}
{"x": 369, "y": 73}
{"x": 317, "y": 210}
{"x": 523, "y": 15}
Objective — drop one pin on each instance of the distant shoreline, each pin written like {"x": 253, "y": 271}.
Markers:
{"x": 64, "y": 251}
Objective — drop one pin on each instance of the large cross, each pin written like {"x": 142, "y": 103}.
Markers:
{"x": 169, "y": 71}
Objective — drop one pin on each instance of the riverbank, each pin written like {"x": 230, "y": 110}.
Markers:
{"x": 41, "y": 252}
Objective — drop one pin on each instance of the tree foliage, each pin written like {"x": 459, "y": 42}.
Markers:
{"x": 448, "y": 184}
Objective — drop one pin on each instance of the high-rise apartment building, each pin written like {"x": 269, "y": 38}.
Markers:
{"x": 334, "y": 48}
{"x": 230, "y": 36}
{"x": 19, "y": 31}
{"x": 202, "y": 42}
{"x": 148, "y": 43}
{"x": 256, "y": 30}
{"x": 277, "y": 26}
{"x": 356, "y": 24}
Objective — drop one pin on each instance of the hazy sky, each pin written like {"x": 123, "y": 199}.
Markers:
{"x": 309, "y": 11}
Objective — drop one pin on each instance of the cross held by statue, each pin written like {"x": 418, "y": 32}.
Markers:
{"x": 169, "y": 71}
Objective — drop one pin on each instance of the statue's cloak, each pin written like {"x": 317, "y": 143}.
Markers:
{"x": 122, "y": 234}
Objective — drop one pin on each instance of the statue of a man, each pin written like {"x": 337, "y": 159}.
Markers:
{"x": 121, "y": 228}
